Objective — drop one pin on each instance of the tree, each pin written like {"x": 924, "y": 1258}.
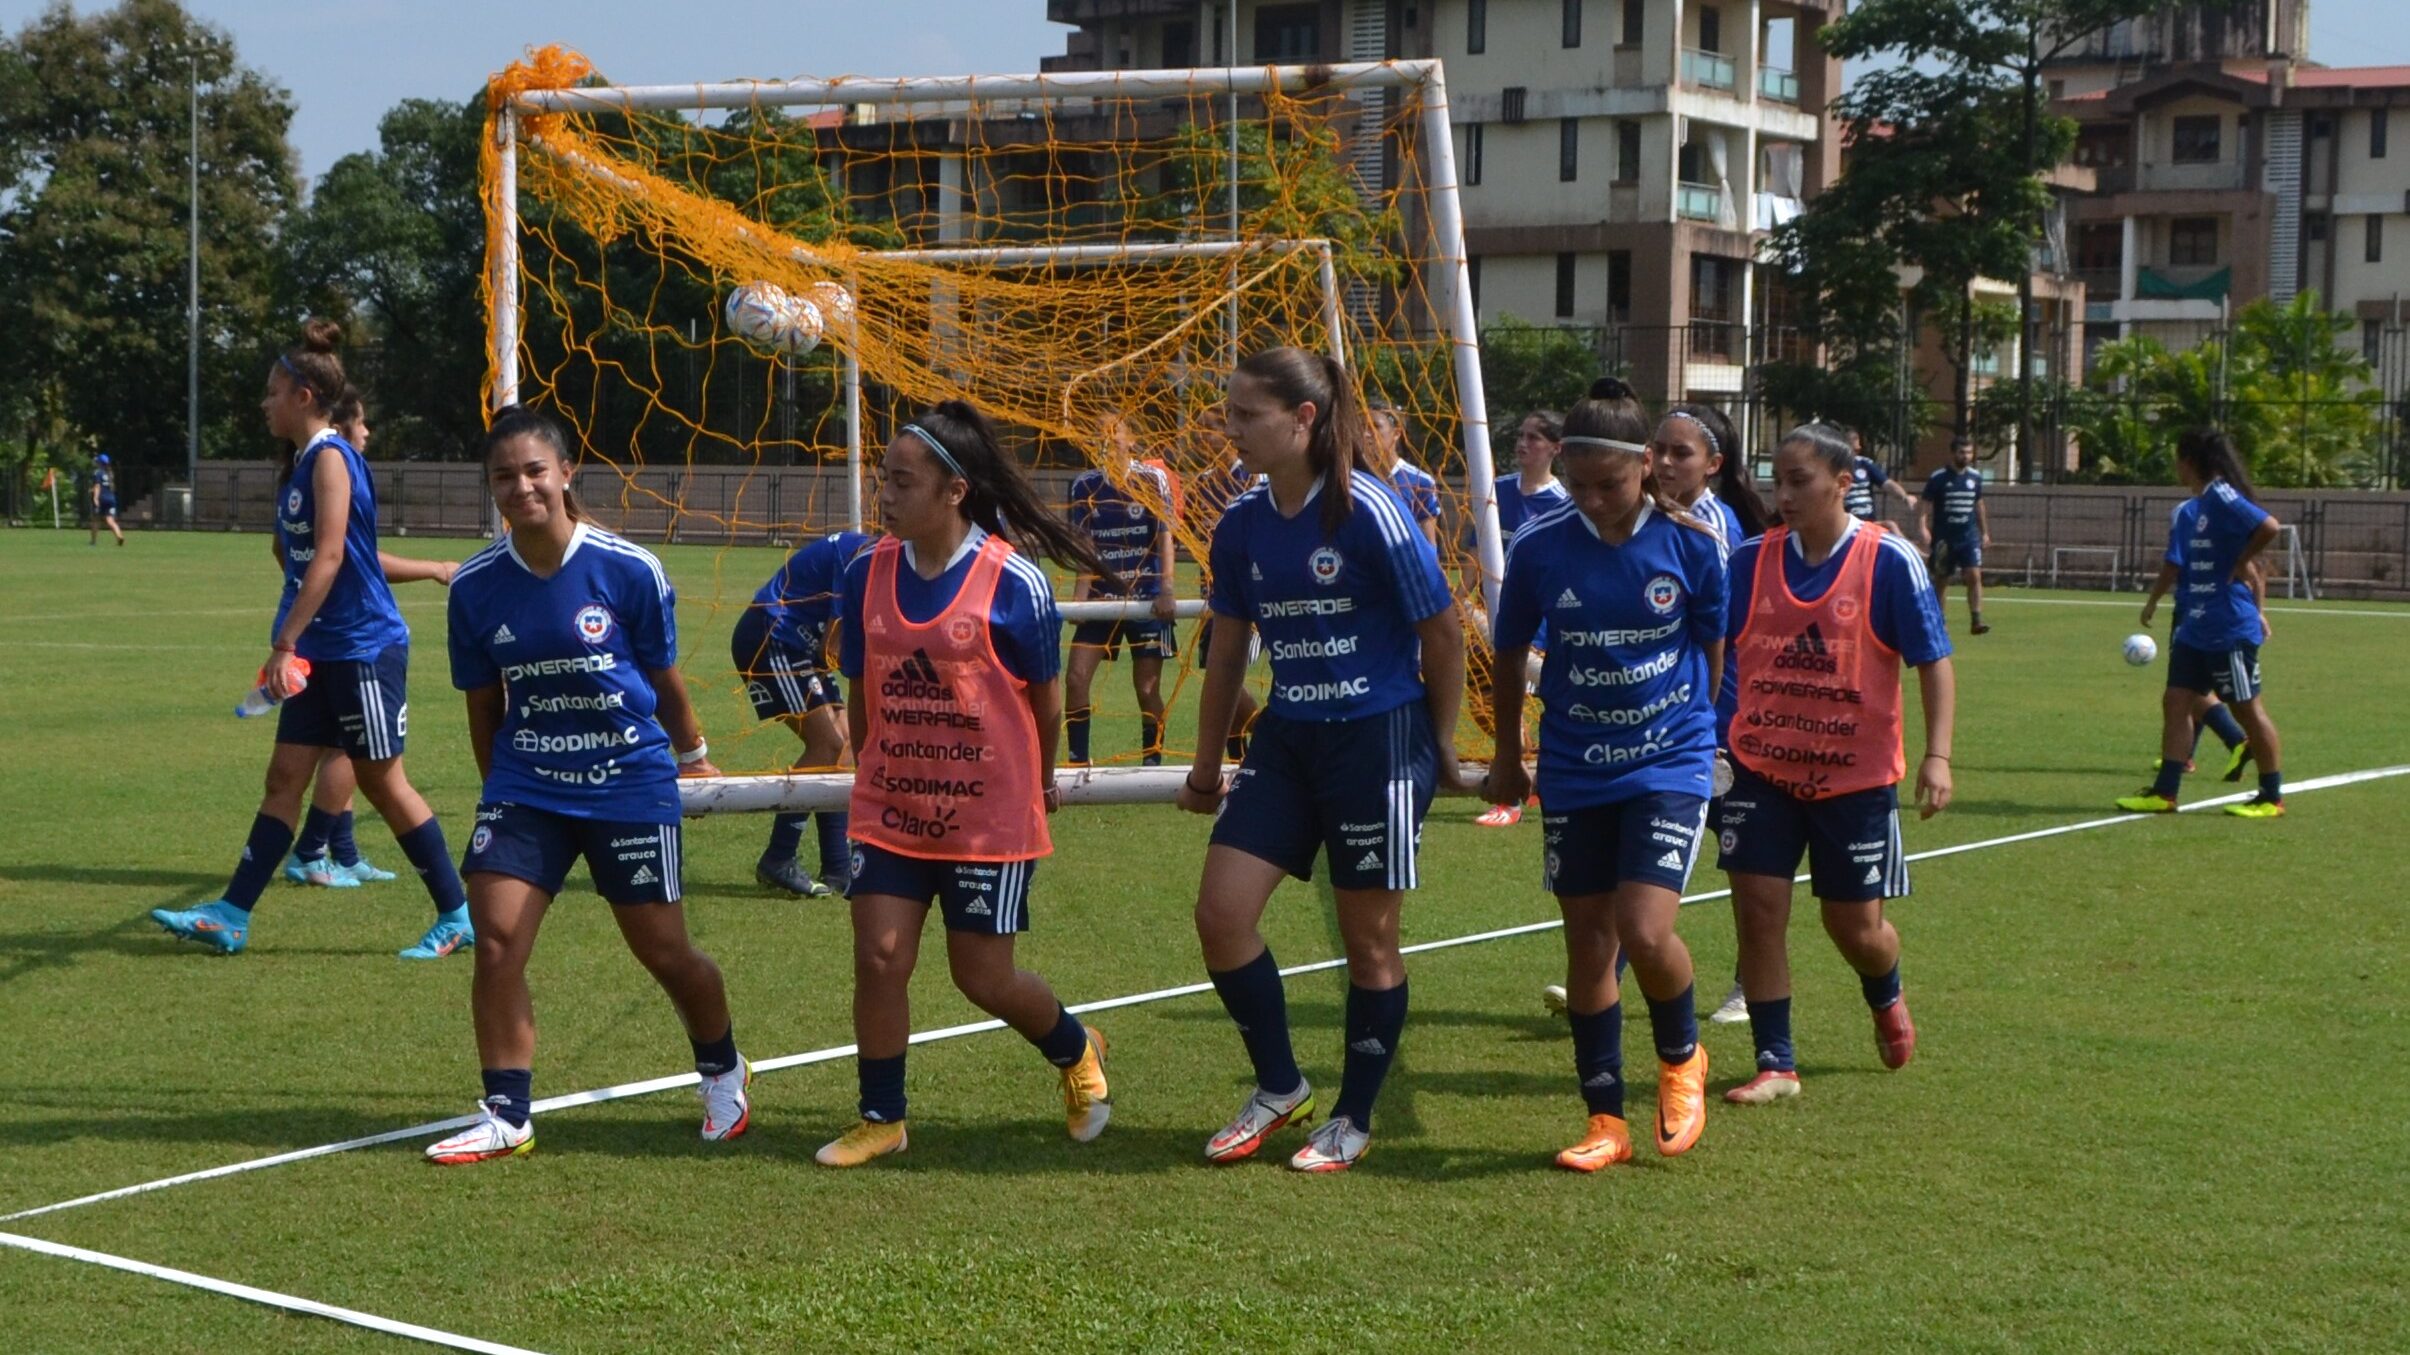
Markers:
{"x": 1991, "y": 54}
{"x": 1526, "y": 367}
{"x": 93, "y": 212}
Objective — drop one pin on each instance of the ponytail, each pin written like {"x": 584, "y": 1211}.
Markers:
{"x": 2213, "y": 456}
{"x": 1001, "y": 499}
{"x": 1340, "y": 438}
{"x": 1734, "y": 487}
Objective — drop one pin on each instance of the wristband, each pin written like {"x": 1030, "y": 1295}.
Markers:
{"x": 1943, "y": 756}
{"x": 1190, "y": 781}
{"x": 695, "y": 754}
{"x": 279, "y": 647}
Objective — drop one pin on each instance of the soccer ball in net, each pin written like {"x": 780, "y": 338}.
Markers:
{"x": 2140, "y": 649}
{"x": 773, "y": 320}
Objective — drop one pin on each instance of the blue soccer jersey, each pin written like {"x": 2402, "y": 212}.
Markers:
{"x": 1415, "y": 486}
{"x": 2214, "y": 610}
{"x": 1625, "y": 706}
{"x": 1023, "y": 623}
{"x": 1516, "y": 507}
{"x": 1127, "y": 531}
{"x": 1865, "y": 485}
{"x": 105, "y": 480}
{"x": 1337, "y": 612}
{"x": 574, "y": 655}
{"x": 358, "y": 620}
{"x": 1907, "y": 614}
{"x": 801, "y": 598}
{"x": 1718, "y": 517}
{"x": 1954, "y": 494}
{"x": 1215, "y": 490}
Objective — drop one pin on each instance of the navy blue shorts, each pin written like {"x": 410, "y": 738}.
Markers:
{"x": 2231, "y": 673}
{"x": 1852, "y": 842}
{"x": 1650, "y": 839}
{"x": 985, "y": 898}
{"x": 108, "y": 505}
{"x": 361, "y": 707}
{"x": 1354, "y": 790}
{"x": 1255, "y": 643}
{"x": 780, "y": 680}
{"x": 632, "y": 863}
{"x": 1149, "y": 639}
{"x": 1956, "y": 557}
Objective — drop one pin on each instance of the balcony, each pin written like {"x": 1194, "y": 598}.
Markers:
{"x": 1699, "y": 202}
{"x": 1777, "y": 84}
{"x": 1709, "y": 70}
{"x": 2206, "y": 177}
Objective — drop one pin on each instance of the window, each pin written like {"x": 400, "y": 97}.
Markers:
{"x": 1627, "y": 152}
{"x": 1564, "y": 286}
{"x": 1635, "y": 21}
{"x": 1573, "y": 23}
{"x": 1472, "y": 153}
{"x": 1711, "y": 29}
{"x": 1510, "y": 103}
{"x": 2321, "y": 127}
{"x": 2058, "y": 90}
{"x": 1476, "y": 27}
{"x": 1619, "y": 286}
{"x": 2099, "y": 247}
{"x": 1179, "y": 45}
{"x": 2197, "y": 139}
{"x": 1568, "y": 149}
{"x": 1288, "y": 34}
{"x": 1221, "y": 25}
{"x": 2192, "y": 241}
{"x": 2376, "y": 238}
{"x": 2376, "y": 134}
{"x": 2313, "y": 227}
{"x": 1710, "y": 288}
{"x": 1472, "y": 277}
{"x": 2372, "y": 342}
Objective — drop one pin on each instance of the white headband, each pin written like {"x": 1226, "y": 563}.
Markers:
{"x": 1609, "y": 443}
{"x": 938, "y": 447}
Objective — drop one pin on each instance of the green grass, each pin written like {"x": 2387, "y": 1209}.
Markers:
{"x": 2156, "y": 1104}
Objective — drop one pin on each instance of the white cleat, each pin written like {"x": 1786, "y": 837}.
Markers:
{"x": 1734, "y": 1010}
{"x": 1262, "y": 1116}
{"x": 727, "y": 1110}
{"x": 1335, "y": 1147}
{"x": 491, "y": 1137}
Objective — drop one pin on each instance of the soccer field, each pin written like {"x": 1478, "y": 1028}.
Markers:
{"x": 2156, "y": 1102}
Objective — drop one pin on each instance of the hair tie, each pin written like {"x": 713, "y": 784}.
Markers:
{"x": 938, "y": 447}
{"x": 1714, "y": 443}
{"x": 1576, "y": 440}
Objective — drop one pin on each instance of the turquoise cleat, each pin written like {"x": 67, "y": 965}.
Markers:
{"x": 318, "y": 870}
{"x": 451, "y": 932}
{"x": 362, "y": 873}
{"x": 218, "y": 925}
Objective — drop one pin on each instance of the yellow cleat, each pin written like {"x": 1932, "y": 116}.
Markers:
{"x": 866, "y": 1140}
{"x": 2148, "y": 802}
{"x": 2257, "y": 808}
{"x": 1087, "y": 1101}
{"x": 1681, "y": 1103}
{"x": 1608, "y": 1142}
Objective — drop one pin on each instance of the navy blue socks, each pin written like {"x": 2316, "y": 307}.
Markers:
{"x": 1375, "y": 1020}
{"x": 1067, "y": 1042}
{"x": 513, "y": 1088}
{"x": 1675, "y": 1023}
{"x": 424, "y": 845}
{"x": 1598, "y": 1058}
{"x": 836, "y": 858}
{"x": 1770, "y": 1031}
{"x": 1075, "y": 731}
{"x": 317, "y": 826}
{"x": 1881, "y": 992}
{"x": 345, "y": 847}
{"x": 2221, "y": 722}
{"x": 1150, "y": 739}
{"x": 2271, "y": 787}
{"x": 262, "y": 854}
{"x": 882, "y": 1083}
{"x": 714, "y": 1057}
{"x": 786, "y": 835}
{"x": 2169, "y": 780}
{"x": 1253, "y": 996}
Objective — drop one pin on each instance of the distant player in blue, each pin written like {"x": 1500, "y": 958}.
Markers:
{"x": 1868, "y": 483}
{"x": 104, "y": 500}
{"x": 1215, "y": 491}
{"x": 1367, "y": 679}
{"x": 565, "y": 640}
{"x": 337, "y": 614}
{"x": 1127, "y": 523}
{"x": 1634, "y": 601}
{"x": 1533, "y": 488}
{"x": 1414, "y": 485}
{"x": 2211, "y": 549}
{"x": 780, "y": 649}
{"x": 1952, "y": 522}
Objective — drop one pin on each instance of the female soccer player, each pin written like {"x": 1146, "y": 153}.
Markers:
{"x": 1217, "y": 489}
{"x": 780, "y": 649}
{"x": 565, "y": 640}
{"x": 1869, "y": 484}
{"x": 1635, "y": 602}
{"x": 1955, "y": 526}
{"x": 1824, "y": 609}
{"x": 104, "y": 500}
{"x": 1532, "y": 489}
{"x": 1345, "y": 758}
{"x": 2211, "y": 545}
{"x": 1412, "y": 483}
{"x": 953, "y": 647}
{"x": 326, "y": 852}
{"x": 1127, "y": 530}
{"x": 338, "y": 614}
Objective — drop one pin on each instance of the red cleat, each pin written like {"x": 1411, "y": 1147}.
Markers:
{"x": 1895, "y": 1034}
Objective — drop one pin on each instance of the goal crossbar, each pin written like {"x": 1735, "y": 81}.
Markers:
{"x": 1149, "y": 84}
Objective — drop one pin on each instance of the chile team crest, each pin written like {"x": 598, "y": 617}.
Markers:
{"x": 1325, "y": 564}
{"x": 963, "y": 630}
{"x": 593, "y": 623}
{"x": 1663, "y": 594}
{"x": 293, "y": 501}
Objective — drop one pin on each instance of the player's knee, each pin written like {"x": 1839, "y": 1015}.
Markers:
{"x": 986, "y": 984}
{"x": 882, "y": 961}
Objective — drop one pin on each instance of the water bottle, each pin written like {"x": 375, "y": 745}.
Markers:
{"x": 258, "y": 702}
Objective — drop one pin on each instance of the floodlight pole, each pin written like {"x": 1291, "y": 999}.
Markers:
{"x": 192, "y": 306}
{"x": 1455, "y": 296}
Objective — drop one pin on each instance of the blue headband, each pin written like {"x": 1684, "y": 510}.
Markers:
{"x": 938, "y": 447}
{"x": 1714, "y": 443}
{"x": 287, "y": 364}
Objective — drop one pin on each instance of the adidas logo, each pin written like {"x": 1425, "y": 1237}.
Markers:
{"x": 1601, "y": 1078}
{"x": 644, "y": 876}
{"x": 1369, "y": 1045}
{"x": 1670, "y": 861}
{"x": 977, "y": 908}
{"x": 920, "y": 668}
{"x": 1809, "y": 641}
{"x": 1371, "y": 861}
{"x": 1256, "y": 572}
{"x": 1874, "y": 875}
{"x": 1567, "y": 599}
{"x": 502, "y": 635}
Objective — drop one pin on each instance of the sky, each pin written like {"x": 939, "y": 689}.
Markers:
{"x": 347, "y": 61}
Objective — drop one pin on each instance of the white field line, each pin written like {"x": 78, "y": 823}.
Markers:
{"x": 2002, "y": 595}
{"x": 674, "y": 1081}
{"x": 271, "y": 1298}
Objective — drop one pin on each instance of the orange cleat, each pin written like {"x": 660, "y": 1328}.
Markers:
{"x": 1608, "y": 1142}
{"x": 1500, "y": 816}
{"x": 1895, "y": 1034}
{"x": 1681, "y": 1103}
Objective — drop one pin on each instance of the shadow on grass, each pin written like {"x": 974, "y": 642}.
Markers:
{"x": 183, "y": 882}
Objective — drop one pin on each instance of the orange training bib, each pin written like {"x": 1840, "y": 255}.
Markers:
{"x": 1819, "y": 711}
